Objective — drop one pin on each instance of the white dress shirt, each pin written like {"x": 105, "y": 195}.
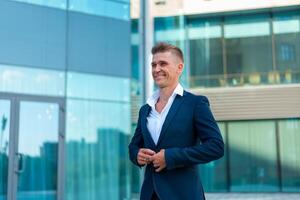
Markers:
{"x": 155, "y": 120}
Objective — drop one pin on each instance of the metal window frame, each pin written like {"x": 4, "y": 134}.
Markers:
{"x": 15, "y": 100}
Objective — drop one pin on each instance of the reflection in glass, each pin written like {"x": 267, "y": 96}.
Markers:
{"x": 214, "y": 174}
{"x": 4, "y": 137}
{"x": 107, "y": 8}
{"x": 51, "y": 3}
{"x": 96, "y": 150}
{"x": 38, "y": 151}
{"x": 253, "y": 156}
{"x": 205, "y": 47}
{"x": 289, "y": 137}
{"x": 248, "y": 48}
{"x": 31, "y": 80}
{"x": 287, "y": 46}
{"x": 91, "y": 86}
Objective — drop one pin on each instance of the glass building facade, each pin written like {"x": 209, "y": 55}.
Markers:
{"x": 241, "y": 50}
{"x": 237, "y": 49}
{"x": 64, "y": 99}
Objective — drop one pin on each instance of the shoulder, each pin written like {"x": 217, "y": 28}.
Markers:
{"x": 197, "y": 99}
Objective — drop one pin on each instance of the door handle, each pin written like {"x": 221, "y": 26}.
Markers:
{"x": 21, "y": 163}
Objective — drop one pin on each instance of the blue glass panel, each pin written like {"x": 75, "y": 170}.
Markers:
{"x": 248, "y": 49}
{"x": 96, "y": 149}
{"x": 32, "y": 35}
{"x": 38, "y": 151}
{"x": 114, "y": 9}
{"x": 32, "y": 80}
{"x": 289, "y": 137}
{"x": 286, "y": 28}
{"x": 205, "y": 49}
{"x": 253, "y": 156}
{"x": 91, "y": 86}
{"x": 62, "y": 4}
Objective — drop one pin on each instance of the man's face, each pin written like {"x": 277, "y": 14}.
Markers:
{"x": 166, "y": 69}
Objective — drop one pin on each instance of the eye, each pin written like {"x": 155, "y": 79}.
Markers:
{"x": 163, "y": 64}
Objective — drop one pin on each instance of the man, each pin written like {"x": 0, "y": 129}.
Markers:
{"x": 176, "y": 131}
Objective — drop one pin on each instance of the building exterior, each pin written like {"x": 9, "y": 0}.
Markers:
{"x": 245, "y": 56}
{"x": 64, "y": 99}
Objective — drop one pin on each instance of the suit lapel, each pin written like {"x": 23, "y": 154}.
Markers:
{"x": 144, "y": 125}
{"x": 173, "y": 110}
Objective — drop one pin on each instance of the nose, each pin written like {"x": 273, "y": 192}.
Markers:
{"x": 157, "y": 68}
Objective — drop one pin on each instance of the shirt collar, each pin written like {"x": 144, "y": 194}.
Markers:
{"x": 151, "y": 101}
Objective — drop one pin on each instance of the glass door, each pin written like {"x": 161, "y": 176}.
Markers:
{"x": 4, "y": 146}
{"x": 38, "y": 144}
{"x": 31, "y": 147}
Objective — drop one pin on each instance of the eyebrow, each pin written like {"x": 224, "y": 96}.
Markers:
{"x": 160, "y": 61}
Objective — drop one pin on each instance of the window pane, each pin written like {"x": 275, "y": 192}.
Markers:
{"x": 248, "y": 48}
{"x": 32, "y": 81}
{"x": 252, "y": 156}
{"x": 205, "y": 47}
{"x": 289, "y": 136}
{"x": 91, "y": 86}
{"x": 51, "y": 3}
{"x": 96, "y": 150}
{"x": 114, "y": 9}
{"x": 169, "y": 29}
{"x": 214, "y": 174}
{"x": 287, "y": 45}
{"x": 39, "y": 154}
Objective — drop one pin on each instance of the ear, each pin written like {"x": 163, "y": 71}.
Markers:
{"x": 180, "y": 68}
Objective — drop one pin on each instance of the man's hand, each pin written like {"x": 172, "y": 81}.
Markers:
{"x": 159, "y": 161}
{"x": 144, "y": 156}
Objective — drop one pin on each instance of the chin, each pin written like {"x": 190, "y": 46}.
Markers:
{"x": 161, "y": 85}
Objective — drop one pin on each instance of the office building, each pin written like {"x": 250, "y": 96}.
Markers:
{"x": 245, "y": 56}
{"x": 64, "y": 99}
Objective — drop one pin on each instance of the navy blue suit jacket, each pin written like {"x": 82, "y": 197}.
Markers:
{"x": 190, "y": 136}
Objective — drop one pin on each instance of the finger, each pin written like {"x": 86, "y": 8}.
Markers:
{"x": 141, "y": 162}
{"x": 149, "y": 152}
{"x": 145, "y": 152}
{"x": 159, "y": 169}
{"x": 156, "y": 165}
{"x": 143, "y": 156}
{"x": 151, "y": 158}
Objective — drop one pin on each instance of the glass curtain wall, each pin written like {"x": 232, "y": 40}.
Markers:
{"x": 98, "y": 133}
{"x": 248, "y": 49}
{"x": 245, "y": 49}
{"x": 205, "y": 52}
{"x": 286, "y": 28}
{"x": 253, "y": 156}
{"x": 289, "y": 137}
{"x": 73, "y": 50}
{"x": 98, "y": 101}
{"x": 260, "y": 156}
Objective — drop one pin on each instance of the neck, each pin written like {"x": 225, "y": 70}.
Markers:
{"x": 166, "y": 92}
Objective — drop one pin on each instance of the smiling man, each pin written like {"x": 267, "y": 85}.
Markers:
{"x": 176, "y": 131}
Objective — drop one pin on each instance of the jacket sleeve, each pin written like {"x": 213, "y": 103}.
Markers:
{"x": 207, "y": 130}
{"x": 136, "y": 143}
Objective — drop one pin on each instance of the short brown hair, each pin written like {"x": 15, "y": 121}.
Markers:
{"x": 162, "y": 47}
